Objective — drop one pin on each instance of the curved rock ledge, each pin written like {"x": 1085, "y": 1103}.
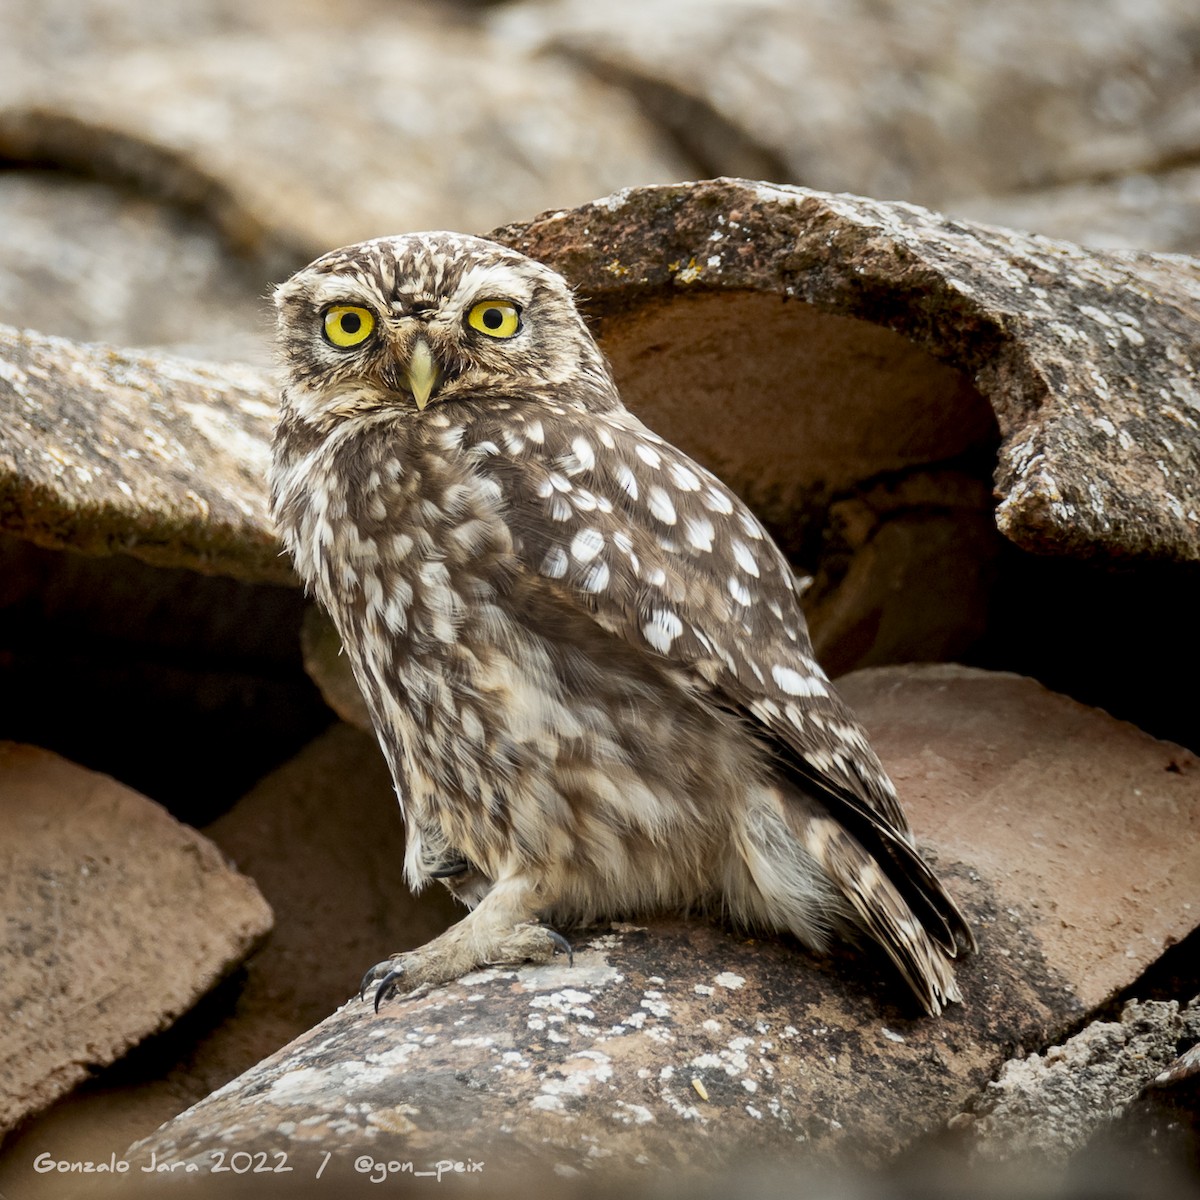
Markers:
{"x": 107, "y": 451}
{"x": 768, "y": 316}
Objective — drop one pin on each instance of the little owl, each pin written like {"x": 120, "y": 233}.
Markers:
{"x": 582, "y": 654}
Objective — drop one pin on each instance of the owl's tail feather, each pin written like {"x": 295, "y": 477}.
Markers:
{"x": 883, "y": 912}
{"x": 893, "y": 851}
{"x": 811, "y": 876}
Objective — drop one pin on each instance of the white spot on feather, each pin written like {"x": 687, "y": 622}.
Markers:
{"x": 684, "y": 478}
{"x": 796, "y": 684}
{"x": 745, "y": 557}
{"x": 660, "y": 505}
{"x": 554, "y": 565}
{"x": 699, "y": 532}
{"x": 581, "y": 458}
{"x": 648, "y": 455}
{"x": 586, "y": 544}
{"x": 595, "y": 578}
{"x": 627, "y": 479}
{"x": 662, "y": 629}
{"x": 739, "y": 591}
{"x": 716, "y": 500}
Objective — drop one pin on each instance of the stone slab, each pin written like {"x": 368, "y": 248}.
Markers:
{"x": 114, "y": 451}
{"x": 321, "y": 836}
{"x": 1088, "y": 826}
{"x": 898, "y": 98}
{"x": 116, "y": 919}
{"x": 296, "y": 128}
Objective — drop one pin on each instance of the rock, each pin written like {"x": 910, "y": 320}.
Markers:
{"x": 864, "y": 374}
{"x": 147, "y": 274}
{"x": 1145, "y": 210}
{"x": 322, "y": 838}
{"x": 877, "y": 350}
{"x": 679, "y": 1045}
{"x": 308, "y": 128}
{"x": 1049, "y": 1106}
{"x": 117, "y": 919}
{"x": 330, "y": 670}
{"x": 921, "y": 101}
{"x": 1109, "y": 854}
{"x": 113, "y": 451}
{"x": 1164, "y": 1118}
{"x": 884, "y": 339}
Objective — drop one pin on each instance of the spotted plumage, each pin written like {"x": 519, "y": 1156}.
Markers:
{"x": 584, "y": 657}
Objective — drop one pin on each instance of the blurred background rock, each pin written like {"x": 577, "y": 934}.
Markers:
{"x": 164, "y": 163}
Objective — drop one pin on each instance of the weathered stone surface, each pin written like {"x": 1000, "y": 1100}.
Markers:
{"x": 109, "y": 451}
{"x": 116, "y": 920}
{"x": 865, "y": 373}
{"x": 1146, "y": 210}
{"x": 680, "y": 1045}
{"x": 1049, "y": 1106}
{"x": 299, "y": 128}
{"x": 1163, "y": 1121}
{"x": 322, "y": 838}
{"x": 1085, "y": 362}
{"x": 1089, "y": 826}
{"x": 800, "y": 344}
{"x": 329, "y": 668}
{"x": 146, "y": 274}
{"x": 916, "y": 99}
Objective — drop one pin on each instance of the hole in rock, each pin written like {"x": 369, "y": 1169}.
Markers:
{"x": 186, "y": 687}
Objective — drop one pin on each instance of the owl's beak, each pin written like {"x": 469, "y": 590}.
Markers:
{"x": 423, "y": 372}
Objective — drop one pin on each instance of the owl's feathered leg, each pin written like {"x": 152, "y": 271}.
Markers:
{"x": 502, "y": 929}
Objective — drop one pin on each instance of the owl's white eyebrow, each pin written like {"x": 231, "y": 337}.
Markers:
{"x": 341, "y": 289}
{"x": 491, "y": 282}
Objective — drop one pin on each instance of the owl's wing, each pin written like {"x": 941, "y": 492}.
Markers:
{"x": 663, "y": 554}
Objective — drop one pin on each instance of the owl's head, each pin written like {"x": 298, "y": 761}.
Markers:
{"x": 403, "y": 323}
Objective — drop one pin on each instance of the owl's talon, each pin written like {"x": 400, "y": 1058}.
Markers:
{"x": 561, "y": 945}
{"x": 378, "y": 971}
{"x": 387, "y": 986}
{"x": 448, "y": 870}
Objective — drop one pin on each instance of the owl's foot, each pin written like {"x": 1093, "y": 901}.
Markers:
{"x": 439, "y": 962}
{"x": 502, "y": 929}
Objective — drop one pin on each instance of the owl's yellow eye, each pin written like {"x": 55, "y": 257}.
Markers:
{"x": 348, "y": 325}
{"x": 496, "y": 318}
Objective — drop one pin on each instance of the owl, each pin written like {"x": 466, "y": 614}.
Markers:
{"x": 583, "y": 655}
